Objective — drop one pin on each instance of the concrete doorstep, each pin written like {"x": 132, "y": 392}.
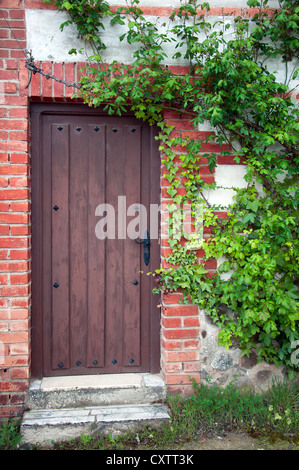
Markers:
{"x": 96, "y": 390}
{"x": 41, "y": 427}
{"x": 69, "y": 407}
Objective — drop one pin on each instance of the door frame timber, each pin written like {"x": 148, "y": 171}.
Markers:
{"x": 37, "y": 110}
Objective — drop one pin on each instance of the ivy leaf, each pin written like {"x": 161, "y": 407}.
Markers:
{"x": 67, "y": 5}
{"x": 171, "y": 191}
{"x": 178, "y": 199}
{"x": 249, "y": 217}
{"x": 212, "y": 162}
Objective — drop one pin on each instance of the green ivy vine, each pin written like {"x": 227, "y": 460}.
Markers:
{"x": 253, "y": 296}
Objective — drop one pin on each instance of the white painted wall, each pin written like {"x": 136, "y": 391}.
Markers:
{"x": 227, "y": 177}
{"x": 47, "y": 42}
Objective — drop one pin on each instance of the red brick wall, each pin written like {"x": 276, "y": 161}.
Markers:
{"x": 161, "y": 11}
{"x": 15, "y": 274}
{"x": 180, "y": 328}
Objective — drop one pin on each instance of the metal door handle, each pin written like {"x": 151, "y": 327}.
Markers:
{"x": 146, "y": 247}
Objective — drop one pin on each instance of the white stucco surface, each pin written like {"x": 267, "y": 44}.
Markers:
{"x": 48, "y": 43}
{"x": 227, "y": 177}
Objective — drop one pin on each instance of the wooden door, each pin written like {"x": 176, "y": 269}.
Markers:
{"x": 93, "y": 310}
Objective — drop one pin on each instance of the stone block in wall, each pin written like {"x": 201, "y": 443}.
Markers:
{"x": 220, "y": 366}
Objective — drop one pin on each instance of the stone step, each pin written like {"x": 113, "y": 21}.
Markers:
{"x": 95, "y": 390}
{"x": 42, "y": 427}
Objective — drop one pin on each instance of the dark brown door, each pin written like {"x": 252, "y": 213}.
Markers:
{"x": 93, "y": 310}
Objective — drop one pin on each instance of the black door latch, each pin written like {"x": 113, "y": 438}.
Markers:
{"x": 146, "y": 248}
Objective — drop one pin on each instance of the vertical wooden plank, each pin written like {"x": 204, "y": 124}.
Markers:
{"x": 45, "y": 220}
{"x": 60, "y": 245}
{"x": 154, "y": 299}
{"x": 145, "y": 280}
{"x": 96, "y": 248}
{"x": 78, "y": 240}
{"x": 150, "y": 183}
{"x": 114, "y": 249}
{"x": 133, "y": 252}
